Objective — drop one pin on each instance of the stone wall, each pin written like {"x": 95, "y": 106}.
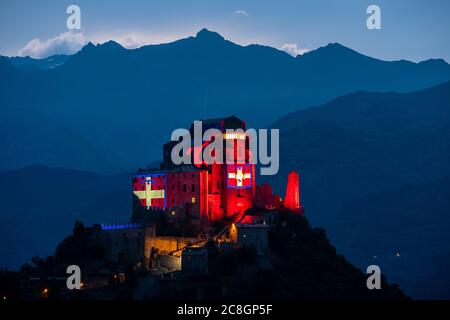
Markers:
{"x": 170, "y": 263}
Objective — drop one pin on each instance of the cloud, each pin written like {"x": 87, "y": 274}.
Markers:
{"x": 71, "y": 42}
{"x": 66, "y": 43}
{"x": 136, "y": 40}
{"x": 133, "y": 41}
{"x": 241, "y": 12}
{"x": 293, "y": 49}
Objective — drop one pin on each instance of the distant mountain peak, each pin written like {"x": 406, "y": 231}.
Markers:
{"x": 333, "y": 50}
{"x": 88, "y": 46}
{"x": 106, "y": 47}
{"x": 111, "y": 44}
{"x": 205, "y": 34}
{"x": 336, "y": 47}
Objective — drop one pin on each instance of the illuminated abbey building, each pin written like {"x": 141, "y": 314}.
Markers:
{"x": 210, "y": 193}
{"x": 179, "y": 209}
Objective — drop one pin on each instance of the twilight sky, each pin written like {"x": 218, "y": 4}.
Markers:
{"x": 411, "y": 29}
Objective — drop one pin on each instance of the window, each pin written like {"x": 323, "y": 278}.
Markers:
{"x": 193, "y": 199}
{"x": 193, "y": 188}
{"x": 184, "y": 187}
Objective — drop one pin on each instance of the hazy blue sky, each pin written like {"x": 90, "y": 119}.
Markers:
{"x": 414, "y": 29}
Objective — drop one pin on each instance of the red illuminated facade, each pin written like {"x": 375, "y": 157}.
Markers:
{"x": 292, "y": 199}
{"x": 208, "y": 193}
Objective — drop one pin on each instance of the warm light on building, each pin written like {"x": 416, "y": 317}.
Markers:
{"x": 234, "y": 136}
{"x": 45, "y": 292}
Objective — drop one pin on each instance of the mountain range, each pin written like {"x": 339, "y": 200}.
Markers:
{"x": 370, "y": 140}
{"x": 39, "y": 205}
{"x": 374, "y": 173}
{"x": 125, "y": 103}
{"x": 365, "y": 142}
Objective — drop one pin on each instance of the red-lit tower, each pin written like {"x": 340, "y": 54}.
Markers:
{"x": 231, "y": 186}
{"x": 292, "y": 199}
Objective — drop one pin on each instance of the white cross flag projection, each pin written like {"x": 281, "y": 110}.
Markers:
{"x": 239, "y": 176}
{"x": 150, "y": 189}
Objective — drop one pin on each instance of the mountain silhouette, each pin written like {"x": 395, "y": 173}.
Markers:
{"x": 39, "y": 204}
{"x": 29, "y": 136}
{"x": 129, "y": 101}
{"x": 364, "y": 143}
{"x": 374, "y": 110}
{"x": 374, "y": 173}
